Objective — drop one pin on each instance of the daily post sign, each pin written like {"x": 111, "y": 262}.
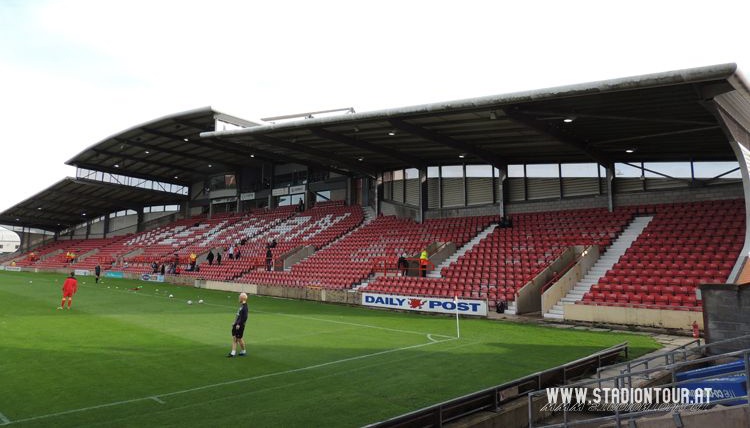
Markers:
{"x": 425, "y": 304}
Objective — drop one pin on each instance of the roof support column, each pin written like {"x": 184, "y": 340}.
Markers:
{"x": 610, "y": 186}
{"x": 423, "y": 202}
{"x": 738, "y": 132}
{"x": 139, "y": 220}
{"x": 88, "y": 228}
{"x": 105, "y": 226}
{"x": 378, "y": 193}
{"x": 22, "y": 237}
{"x": 498, "y": 192}
{"x": 349, "y": 190}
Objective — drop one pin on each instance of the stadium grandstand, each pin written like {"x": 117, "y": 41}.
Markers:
{"x": 616, "y": 202}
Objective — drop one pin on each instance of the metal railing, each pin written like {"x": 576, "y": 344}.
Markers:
{"x": 493, "y": 398}
{"x": 670, "y": 357}
{"x": 622, "y": 414}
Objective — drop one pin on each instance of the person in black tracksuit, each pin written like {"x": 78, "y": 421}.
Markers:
{"x": 238, "y": 328}
{"x": 97, "y": 272}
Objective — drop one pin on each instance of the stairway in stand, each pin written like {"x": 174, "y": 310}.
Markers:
{"x": 435, "y": 273}
{"x": 605, "y": 263}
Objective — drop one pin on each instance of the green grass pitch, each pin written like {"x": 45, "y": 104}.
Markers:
{"x": 138, "y": 358}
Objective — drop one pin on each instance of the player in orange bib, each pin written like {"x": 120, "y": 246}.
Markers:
{"x": 69, "y": 288}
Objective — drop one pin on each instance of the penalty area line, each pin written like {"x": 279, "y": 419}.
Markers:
{"x": 156, "y": 398}
{"x": 4, "y": 419}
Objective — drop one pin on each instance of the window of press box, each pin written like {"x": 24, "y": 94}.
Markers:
{"x": 221, "y": 182}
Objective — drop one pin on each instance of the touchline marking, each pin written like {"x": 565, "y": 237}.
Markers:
{"x": 231, "y": 382}
{"x": 4, "y": 420}
{"x": 302, "y": 317}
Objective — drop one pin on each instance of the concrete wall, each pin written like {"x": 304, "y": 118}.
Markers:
{"x": 709, "y": 193}
{"x": 309, "y": 293}
{"x": 399, "y": 210}
{"x": 662, "y": 318}
{"x": 463, "y": 212}
{"x": 528, "y": 298}
{"x": 559, "y": 289}
{"x": 726, "y": 309}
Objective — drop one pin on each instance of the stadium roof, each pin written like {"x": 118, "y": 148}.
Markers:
{"x": 71, "y": 201}
{"x": 166, "y": 149}
{"x": 656, "y": 117}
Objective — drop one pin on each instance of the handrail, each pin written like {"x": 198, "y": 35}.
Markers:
{"x": 679, "y": 350}
{"x": 381, "y": 264}
{"x": 492, "y": 398}
{"x": 619, "y": 383}
{"x": 556, "y": 277}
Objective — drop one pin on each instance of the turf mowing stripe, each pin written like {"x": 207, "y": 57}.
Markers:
{"x": 4, "y": 420}
{"x": 231, "y": 382}
{"x": 296, "y": 316}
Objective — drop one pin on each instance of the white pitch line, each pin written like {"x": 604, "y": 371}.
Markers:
{"x": 158, "y": 400}
{"x": 4, "y": 420}
{"x": 231, "y": 382}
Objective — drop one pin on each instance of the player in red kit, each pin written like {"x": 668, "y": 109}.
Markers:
{"x": 70, "y": 286}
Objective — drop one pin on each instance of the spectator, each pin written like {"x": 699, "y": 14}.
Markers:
{"x": 154, "y": 267}
{"x": 269, "y": 259}
{"x": 210, "y": 257}
{"x": 218, "y": 257}
{"x": 402, "y": 265}
{"x": 243, "y": 241}
{"x": 97, "y": 272}
{"x": 163, "y": 269}
{"x": 423, "y": 261}
{"x": 237, "y": 253}
{"x": 230, "y": 252}
{"x": 301, "y": 205}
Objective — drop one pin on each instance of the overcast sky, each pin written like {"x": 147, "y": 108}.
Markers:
{"x": 73, "y": 72}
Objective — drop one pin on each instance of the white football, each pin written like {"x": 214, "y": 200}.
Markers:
{"x": 30, "y": 282}
{"x": 200, "y": 301}
{"x": 170, "y": 296}
{"x": 190, "y": 302}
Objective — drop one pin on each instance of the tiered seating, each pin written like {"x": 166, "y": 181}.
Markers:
{"x": 683, "y": 246}
{"x": 350, "y": 260}
{"x": 109, "y": 250}
{"x": 46, "y": 250}
{"x": 503, "y": 262}
{"x": 316, "y": 227}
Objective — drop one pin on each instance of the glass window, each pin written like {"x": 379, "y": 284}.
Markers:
{"x": 672, "y": 169}
{"x": 398, "y": 175}
{"x": 283, "y": 201}
{"x": 478, "y": 171}
{"x": 323, "y": 196}
{"x": 542, "y": 170}
{"x": 433, "y": 171}
{"x": 579, "y": 170}
{"x": 411, "y": 173}
{"x": 220, "y": 182}
{"x": 515, "y": 170}
{"x": 623, "y": 170}
{"x": 294, "y": 199}
{"x": 713, "y": 169}
{"x": 453, "y": 171}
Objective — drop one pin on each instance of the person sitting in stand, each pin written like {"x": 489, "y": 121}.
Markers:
{"x": 402, "y": 265}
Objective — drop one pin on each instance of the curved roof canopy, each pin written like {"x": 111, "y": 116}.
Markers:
{"x": 657, "y": 117}
{"x": 71, "y": 201}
